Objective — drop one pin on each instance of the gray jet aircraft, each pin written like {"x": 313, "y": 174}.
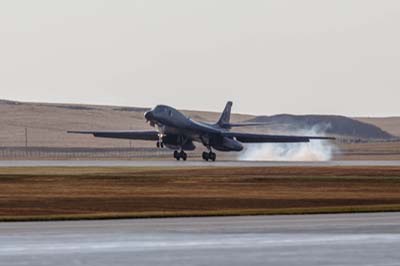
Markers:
{"x": 179, "y": 132}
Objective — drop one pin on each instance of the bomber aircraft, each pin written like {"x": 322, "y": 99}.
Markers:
{"x": 179, "y": 132}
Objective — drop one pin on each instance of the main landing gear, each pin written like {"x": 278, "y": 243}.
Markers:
{"x": 180, "y": 155}
{"x": 209, "y": 156}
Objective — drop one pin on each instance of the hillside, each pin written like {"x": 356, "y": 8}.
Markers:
{"x": 389, "y": 124}
{"x": 329, "y": 124}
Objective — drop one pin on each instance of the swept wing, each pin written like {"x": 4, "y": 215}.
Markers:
{"x": 124, "y": 134}
{"x": 262, "y": 138}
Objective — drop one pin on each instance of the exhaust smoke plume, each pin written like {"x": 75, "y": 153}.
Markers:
{"x": 315, "y": 150}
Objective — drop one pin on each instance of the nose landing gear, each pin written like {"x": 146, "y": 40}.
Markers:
{"x": 160, "y": 144}
{"x": 209, "y": 156}
{"x": 180, "y": 155}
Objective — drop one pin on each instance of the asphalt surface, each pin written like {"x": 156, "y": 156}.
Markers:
{"x": 177, "y": 164}
{"x": 346, "y": 239}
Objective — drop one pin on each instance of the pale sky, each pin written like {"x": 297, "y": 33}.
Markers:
{"x": 277, "y": 56}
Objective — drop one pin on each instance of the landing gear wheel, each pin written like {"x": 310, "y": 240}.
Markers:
{"x": 183, "y": 155}
{"x": 180, "y": 155}
{"x": 205, "y": 156}
{"x": 160, "y": 144}
{"x": 177, "y": 155}
{"x": 209, "y": 156}
{"x": 212, "y": 156}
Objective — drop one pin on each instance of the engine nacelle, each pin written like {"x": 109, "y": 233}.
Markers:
{"x": 174, "y": 142}
{"x": 226, "y": 144}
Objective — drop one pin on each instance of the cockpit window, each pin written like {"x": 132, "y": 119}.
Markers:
{"x": 164, "y": 110}
{"x": 159, "y": 109}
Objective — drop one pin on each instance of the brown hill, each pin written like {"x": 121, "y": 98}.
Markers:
{"x": 389, "y": 124}
{"x": 328, "y": 124}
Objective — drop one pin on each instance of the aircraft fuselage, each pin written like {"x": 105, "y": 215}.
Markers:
{"x": 177, "y": 130}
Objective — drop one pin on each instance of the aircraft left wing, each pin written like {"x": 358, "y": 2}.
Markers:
{"x": 262, "y": 138}
{"x": 127, "y": 134}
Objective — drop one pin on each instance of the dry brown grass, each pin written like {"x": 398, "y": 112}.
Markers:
{"x": 141, "y": 192}
{"x": 368, "y": 151}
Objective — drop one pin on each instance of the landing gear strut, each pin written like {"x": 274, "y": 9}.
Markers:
{"x": 180, "y": 155}
{"x": 209, "y": 156}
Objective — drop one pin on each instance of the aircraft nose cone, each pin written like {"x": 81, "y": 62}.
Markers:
{"x": 149, "y": 115}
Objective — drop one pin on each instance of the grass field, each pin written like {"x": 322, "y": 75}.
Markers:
{"x": 85, "y": 193}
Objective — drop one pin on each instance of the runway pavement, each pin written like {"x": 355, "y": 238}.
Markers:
{"x": 346, "y": 239}
{"x": 177, "y": 164}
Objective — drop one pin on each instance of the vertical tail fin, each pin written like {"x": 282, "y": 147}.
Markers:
{"x": 225, "y": 118}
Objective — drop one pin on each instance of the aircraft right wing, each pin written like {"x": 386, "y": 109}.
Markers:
{"x": 262, "y": 138}
{"x": 127, "y": 134}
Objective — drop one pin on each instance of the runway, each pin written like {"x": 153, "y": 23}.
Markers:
{"x": 178, "y": 164}
{"x": 346, "y": 239}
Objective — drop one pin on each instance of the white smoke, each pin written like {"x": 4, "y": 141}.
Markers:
{"x": 315, "y": 150}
